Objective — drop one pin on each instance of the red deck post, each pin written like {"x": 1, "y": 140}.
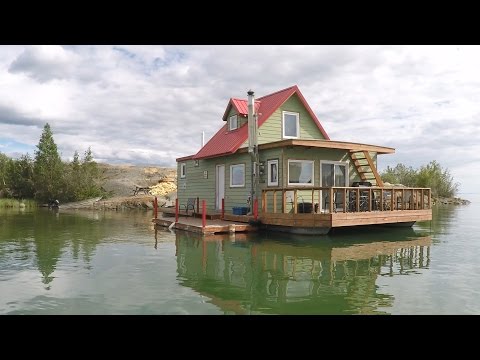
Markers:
{"x": 176, "y": 210}
{"x": 223, "y": 208}
{"x": 204, "y": 214}
{"x": 155, "y": 207}
{"x": 255, "y": 208}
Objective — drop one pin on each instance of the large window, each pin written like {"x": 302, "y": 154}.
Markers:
{"x": 233, "y": 122}
{"x": 290, "y": 125}
{"x": 300, "y": 172}
{"x": 333, "y": 173}
{"x": 183, "y": 170}
{"x": 272, "y": 171}
{"x": 237, "y": 175}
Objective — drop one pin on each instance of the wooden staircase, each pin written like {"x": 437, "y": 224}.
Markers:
{"x": 365, "y": 167}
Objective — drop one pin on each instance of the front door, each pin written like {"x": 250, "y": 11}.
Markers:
{"x": 220, "y": 186}
{"x": 332, "y": 174}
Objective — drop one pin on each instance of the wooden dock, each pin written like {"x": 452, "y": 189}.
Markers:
{"x": 215, "y": 226}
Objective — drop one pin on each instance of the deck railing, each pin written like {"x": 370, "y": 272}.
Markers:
{"x": 339, "y": 199}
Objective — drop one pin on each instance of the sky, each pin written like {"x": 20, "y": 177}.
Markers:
{"x": 149, "y": 104}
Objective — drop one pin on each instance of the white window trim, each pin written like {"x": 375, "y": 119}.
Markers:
{"x": 231, "y": 175}
{"x": 297, "y": 115}
{"x": 301, "y": 184}
{"x": 344, "y": 163}
{"x": 183, "y": 170}
{"x": 230, "y": 128}
{"x": 271, "y": 183}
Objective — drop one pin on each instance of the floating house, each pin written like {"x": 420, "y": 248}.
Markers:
{"x": 273, "y": 162}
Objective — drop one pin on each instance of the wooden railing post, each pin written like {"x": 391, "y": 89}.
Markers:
{"x": 176, "y": 210}
{"x": 155, "y": 208}
{"x": 295, "y": 201}
{"x": 223, "y": 208}
{"x": 198, "y": 205}
{"x": 381, "y": 199}
{"x": 330, "y": 210}
{"x": 255, "y": 209}
{"x": 358, "y": 199}
{"x": 370, "y": 199}
{"x": 264, "y": 201}
{"x": 204, "y": 214}
{"x": 274, "y": 201}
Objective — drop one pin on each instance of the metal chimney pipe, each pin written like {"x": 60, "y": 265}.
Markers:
{"x": 252, "y": 148}
{"x": 203, "y": 138}
{"x": 252, "y": 134}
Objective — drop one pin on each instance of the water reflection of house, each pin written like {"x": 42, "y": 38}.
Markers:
{"x": 285, "y": 278}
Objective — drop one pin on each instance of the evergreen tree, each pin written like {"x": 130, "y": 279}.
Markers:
{"x": 48, "y": 169}
{"x": 90, "y": 176}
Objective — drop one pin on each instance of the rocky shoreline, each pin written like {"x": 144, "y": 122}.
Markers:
{"x": 450, "y": 201}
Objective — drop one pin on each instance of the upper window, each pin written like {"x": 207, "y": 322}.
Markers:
{"x": 233, "y": 122}
{"x": 237, "y": 175}
{"x": 300, "y": 172}
{"x": 291, "y": 128}
{"x": 183, "y": 170}
{"x": 272, "y": 168}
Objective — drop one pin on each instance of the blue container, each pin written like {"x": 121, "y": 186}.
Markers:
{"x": 240, "y": 210}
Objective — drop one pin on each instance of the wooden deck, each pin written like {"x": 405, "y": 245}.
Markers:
{"x": 351, "y": 206}
{"x": 194, "y": 224}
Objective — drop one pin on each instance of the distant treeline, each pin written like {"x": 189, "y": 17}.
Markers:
{"x": 46, "y": 177}
{"x": 431, "y": 176}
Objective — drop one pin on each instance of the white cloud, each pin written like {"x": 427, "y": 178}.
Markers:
{"x": 149, "y": 104}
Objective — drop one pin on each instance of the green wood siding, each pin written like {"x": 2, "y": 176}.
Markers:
{"x": 194, "y": 185}
{"x": 237, "y": 196}
{"x": 271, "y": 130}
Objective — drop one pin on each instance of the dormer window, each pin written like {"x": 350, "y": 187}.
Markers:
{"x": 232, "y": 122}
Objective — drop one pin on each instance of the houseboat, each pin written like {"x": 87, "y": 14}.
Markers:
{"x": 273, "y": 162}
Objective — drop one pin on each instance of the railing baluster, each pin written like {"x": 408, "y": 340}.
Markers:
{"x": 331, "y": 200}
{"x": 381, "y": 199}
{"x": 274, "y": 201}
{"x": 295, "y": 201}
{"x": 391, "y": 199}
{"x": 358, "y": 200}
{"x": 370, "y": 199}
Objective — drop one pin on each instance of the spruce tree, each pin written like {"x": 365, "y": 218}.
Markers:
{"x": 48, "y": 168}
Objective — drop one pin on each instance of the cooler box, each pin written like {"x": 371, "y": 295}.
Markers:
{"x": 240, "y": 210}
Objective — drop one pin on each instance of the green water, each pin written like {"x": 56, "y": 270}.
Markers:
{"x": 115, "y": 263}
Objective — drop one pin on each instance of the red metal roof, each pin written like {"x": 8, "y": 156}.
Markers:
{"x": 227, "y": 142}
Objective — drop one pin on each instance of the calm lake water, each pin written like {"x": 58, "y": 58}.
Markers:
{"x": 115, "y": 263}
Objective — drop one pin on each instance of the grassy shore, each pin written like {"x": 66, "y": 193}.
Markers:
{"x": 15, "y": 203}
